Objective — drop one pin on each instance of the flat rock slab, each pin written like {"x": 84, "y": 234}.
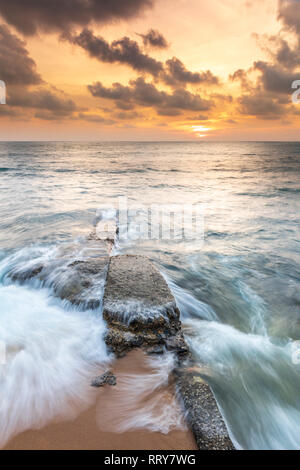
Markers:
{"x": 139, "y": 307}
{"x": 203, "y": 414}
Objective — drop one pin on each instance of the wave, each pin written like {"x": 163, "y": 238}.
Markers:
{"x": 51, "y": 354}
{"x": 144, "y": 400}
{"x": 255, "y": 382}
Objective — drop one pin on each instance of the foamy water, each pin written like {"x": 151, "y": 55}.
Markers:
{"x": 144, "y": 400}
{"x": 51, "y": 354}
{"x": 253, "y": 377}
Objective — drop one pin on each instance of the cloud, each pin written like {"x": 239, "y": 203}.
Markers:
{"x": 199, "y": 117}
{"x": 116, "y": 92}
{"x": 176, "y": 72}
{"x": 241, "y": 76}
{"x": 141, "y": 93}
{"x": 261, "y": 106}
{"x": 124, "y": 106}
{"x": 16, "y": 66}
{"x": 274, "y": 79}
{"x": 286, "y": 52}
{"x": 154, "y": 38}
{"x": 48, "y": 105}
{"x": 96, "y": 118}
{"x": 289, "y": 14}
{"x": 7, "y": 111}
{"x": 128, "y": 115}
{"x": 31, "y": 16}
{"x": 122, "y": 51}
{"x": 19, "y": 72}
{"x": 128, "y": 52}
{"x": 168, "y": 112}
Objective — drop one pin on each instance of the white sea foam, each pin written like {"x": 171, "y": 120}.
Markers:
{"x": 51, "y": 355}
{"x": 188, "y": 305}
{"x": 131, "y": 310}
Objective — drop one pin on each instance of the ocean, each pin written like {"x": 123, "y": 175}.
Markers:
{"x": 238, "y": 288}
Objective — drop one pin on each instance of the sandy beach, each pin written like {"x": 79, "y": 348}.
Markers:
{"x": 97, "y": 427}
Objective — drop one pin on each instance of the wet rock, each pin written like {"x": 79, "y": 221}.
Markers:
{"x": 25, "y": 275}
{"x": 76, "y": 272}
{"x": 178, "y": 345}
{"x": 203, "y": 414}
{"x": 156, "y": 350}
{"x": 82, "y": 282}
{"x": 138, "y": 305}
{"x": 108, "y": 378}
{"x": 106, "y": 231}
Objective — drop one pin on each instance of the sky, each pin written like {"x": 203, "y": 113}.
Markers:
{"x": 149, "y": 70}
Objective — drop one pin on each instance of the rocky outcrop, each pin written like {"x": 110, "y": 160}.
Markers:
{"x": 203, "y": 415}
{"x": 139, "y": 307}
{"x": 140, "y": 311}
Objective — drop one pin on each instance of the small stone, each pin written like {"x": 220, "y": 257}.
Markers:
{"x": 105, "y": 379}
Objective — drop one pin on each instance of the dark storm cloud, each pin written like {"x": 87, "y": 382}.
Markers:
{"x": 31, "y": 16}
{"x": 16, "y": 66}
{"x": 154, "y": 39}
{"x": 146, "y": 94}
{"x": 123, "y": 51}
{"x": 176, "y": 72}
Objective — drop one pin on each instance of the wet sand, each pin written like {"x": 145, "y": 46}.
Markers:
{"x": 98, "y": 427}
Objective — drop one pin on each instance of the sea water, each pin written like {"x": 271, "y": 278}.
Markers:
{"x": 238, "y": 289}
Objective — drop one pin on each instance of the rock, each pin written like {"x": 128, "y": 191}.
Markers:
{"x": 203, "y": 414}
{"x": 106, "y": 230}
{"x": 25, "y": 275}
{"x": 82, "y": 282}
{"x": 105, "y": 379}
{"x": 156, "y": 350}
{"x": 140, "y": 311}
{"x": 177, "y": 344}
{"x": 138, "y": 306}
{"x": 76, "y": 272}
